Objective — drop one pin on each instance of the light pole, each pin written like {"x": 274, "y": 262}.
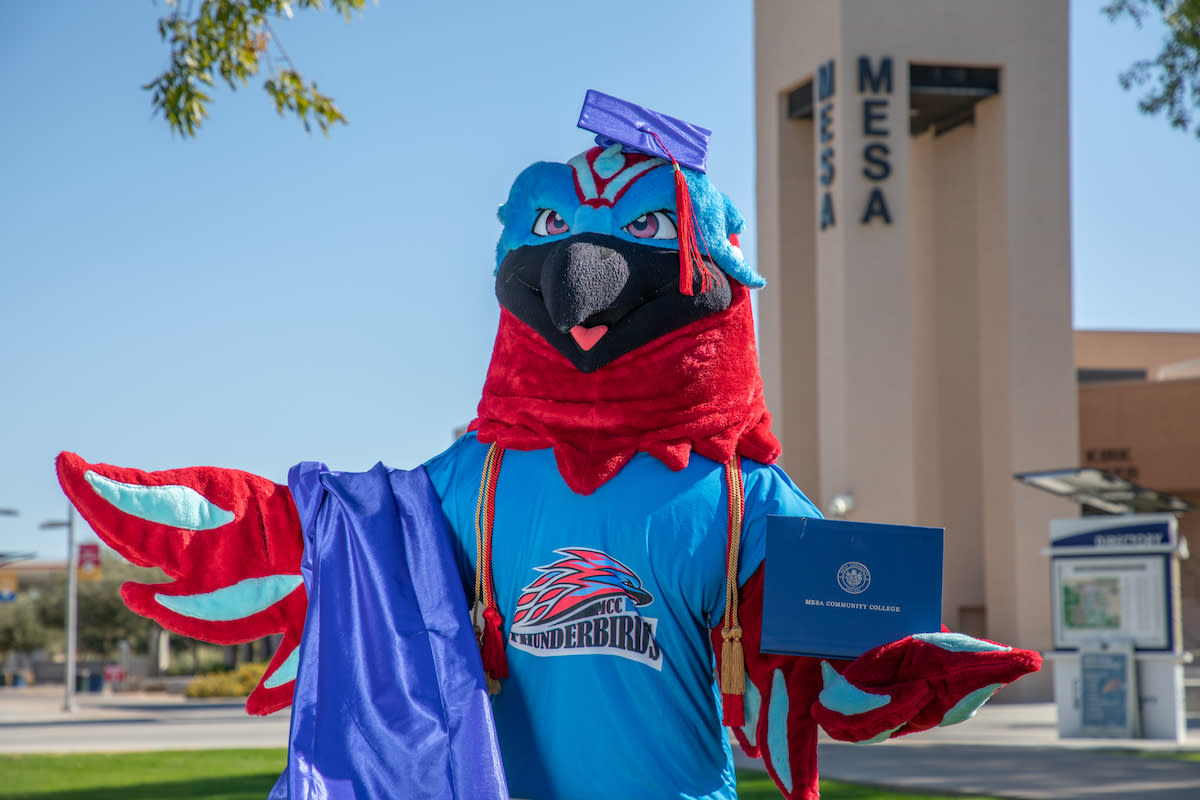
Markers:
{"x": 72, "y": 594}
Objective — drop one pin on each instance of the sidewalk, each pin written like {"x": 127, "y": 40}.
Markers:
{"x": 1013, "y": 751}
{"x": 1007, "y": 751}
{"x": 43, "y": 704}
{"x": 32, "y": 720}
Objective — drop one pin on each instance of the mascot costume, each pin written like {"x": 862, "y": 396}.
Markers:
{"x": 566, "y": 603}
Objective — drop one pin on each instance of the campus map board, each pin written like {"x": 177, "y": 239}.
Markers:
{"x": 1111, "y": 596}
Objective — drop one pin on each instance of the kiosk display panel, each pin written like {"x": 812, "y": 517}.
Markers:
{"x": 1123, "y": 596}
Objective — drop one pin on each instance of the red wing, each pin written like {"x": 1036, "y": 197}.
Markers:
{"x": 231, "y": 541}
{"x": 772, "y": 720}
{"x": 898, "y": 688}
{"x": 915, "y": 683}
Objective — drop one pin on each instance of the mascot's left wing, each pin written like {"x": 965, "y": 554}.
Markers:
{"x": 231, "y": 542}
{"x": 898, "y": 688}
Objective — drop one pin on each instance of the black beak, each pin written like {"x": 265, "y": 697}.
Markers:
{"x": 595, "y": 297}
{"x": 581, "y": 278}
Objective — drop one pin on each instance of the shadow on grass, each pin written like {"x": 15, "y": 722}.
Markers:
{"x": 236, "y": 787}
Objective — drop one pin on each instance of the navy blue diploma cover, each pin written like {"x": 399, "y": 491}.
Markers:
{"x": 836, "y": 589}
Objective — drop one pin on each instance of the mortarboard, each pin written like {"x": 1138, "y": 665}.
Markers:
{"x": 617, "y": 121}
{"x": 638, "y": 128}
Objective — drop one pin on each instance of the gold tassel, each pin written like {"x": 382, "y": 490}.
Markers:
{"x": 493, "y": 685}
{"x": 733, "y": 663}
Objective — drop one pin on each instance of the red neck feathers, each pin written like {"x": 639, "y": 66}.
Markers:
{"x": 696, "y": 388}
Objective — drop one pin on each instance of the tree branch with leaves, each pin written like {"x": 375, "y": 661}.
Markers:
{"x": 231, "y": 39}
{"x": 1174, "y": 75}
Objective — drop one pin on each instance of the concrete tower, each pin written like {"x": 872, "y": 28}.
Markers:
{"x": 913, "y": 223}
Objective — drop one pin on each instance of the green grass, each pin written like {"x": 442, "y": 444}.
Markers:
{"x": 169, "y": 775}
{"x": 242, "y": 775}
{"x": 758, "y": 786}
{"x": 1174, "y": 755}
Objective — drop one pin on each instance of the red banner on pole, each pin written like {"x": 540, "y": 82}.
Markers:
{"x": 89, "y": 562}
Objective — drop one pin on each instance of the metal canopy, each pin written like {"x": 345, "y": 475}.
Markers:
{"x": 9, "y": 557}
{"x": 944, "y": 97}
{"x": 800, "y": 102}
{"x": 940, "y": 96}
{"x": 1104, "y": 492}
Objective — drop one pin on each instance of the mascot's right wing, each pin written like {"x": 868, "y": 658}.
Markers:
{"x": 231, "y": 542}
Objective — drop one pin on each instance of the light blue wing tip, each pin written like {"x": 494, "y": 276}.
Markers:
{"x": 844, "y": 697}
{"x": 882, "y": 737}
{"x": 286, "y": 671}
{"x": 965, "y": 709}
{"x": 176, "y": 506}
{"x": 777, "y": 750}
{"x": 238, "y": 601}
{"x": 961, "y": 643}
{"x": 753, "y": 706}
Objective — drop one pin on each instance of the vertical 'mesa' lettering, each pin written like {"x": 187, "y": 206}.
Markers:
{"x": 877, "y": 166}
{"x": 825, "y": 88}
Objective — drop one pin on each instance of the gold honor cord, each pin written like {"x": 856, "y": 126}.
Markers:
{"x": 733, "y": 665}
{"x": 486, "y": 614}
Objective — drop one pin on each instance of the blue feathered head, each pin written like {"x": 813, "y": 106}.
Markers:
{"x": 624, "y": 194}
{"x": 626, "y": 321}
{"x": 624, "y": 243}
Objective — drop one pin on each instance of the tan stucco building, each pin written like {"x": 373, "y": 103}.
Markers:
{"x": 914, "y": 225}
{"x": 1139, "y": 417}
{"x": 916, "y": 341}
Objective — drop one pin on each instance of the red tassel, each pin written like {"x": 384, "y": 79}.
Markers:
{"x": 733, "y": 710}
{"x": 495, "y": 663}
{"x": 685, "y": 227}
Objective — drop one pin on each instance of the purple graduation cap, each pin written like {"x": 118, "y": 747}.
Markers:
{"x": 617, "y": 121}
{"x": 635, "y": 127}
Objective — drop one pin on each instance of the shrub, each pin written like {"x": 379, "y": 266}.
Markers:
{"x": 238, "y": 683}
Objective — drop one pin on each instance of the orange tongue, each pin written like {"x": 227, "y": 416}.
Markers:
{"x": 586, "y": 338}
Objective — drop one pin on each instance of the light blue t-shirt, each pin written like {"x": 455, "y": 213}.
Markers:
{"x": 608, "y": 600}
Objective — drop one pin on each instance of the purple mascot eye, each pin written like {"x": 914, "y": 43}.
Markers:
{"x": 655, "y": 225}
{"x": 549, "y": 223}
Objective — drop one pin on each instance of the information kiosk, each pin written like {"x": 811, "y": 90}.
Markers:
{"x": 1118, "y": 659}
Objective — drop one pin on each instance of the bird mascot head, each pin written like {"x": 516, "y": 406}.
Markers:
{"x": 625, "y": 319}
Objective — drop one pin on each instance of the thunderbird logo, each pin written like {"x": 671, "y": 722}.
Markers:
{"x": 585, "y": 603}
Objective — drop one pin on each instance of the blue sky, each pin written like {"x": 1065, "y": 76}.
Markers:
{"x": 258, "y": 296}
